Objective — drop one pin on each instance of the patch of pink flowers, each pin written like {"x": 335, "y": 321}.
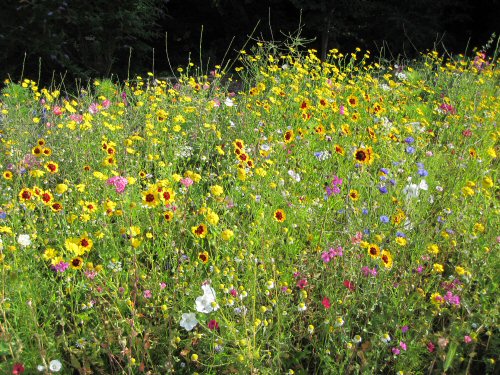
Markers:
{"x": 120, "y": 183}
{"x": 332, "y": 253}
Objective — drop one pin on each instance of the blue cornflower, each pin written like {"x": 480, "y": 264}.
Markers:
{"x": 409, "y": 140}
{"x": 364, "y": 211}
{"x": 400, "y": 234}
{"x": 384, "y": 219}
{"x": 422, "y": 172}
{"x": 382, "y": 189}
{"x": 384, "y": 170}
{"x": 392, "y": 181}
{"x": 410, "y": 150}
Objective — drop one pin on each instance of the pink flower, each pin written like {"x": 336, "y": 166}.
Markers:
{"x": 18, "y": 369}
{"x": 342, "y": 110}
{"x": 93, "y": 108}
{"x": 467, "y": 339}
{"x": 403, "y": 345}
{"x": 395, "y": 351}
{"x": 57, "y": 110}
{"x": 431, "y": 347}
{"x": 163, "y": 286}
{"x": 302, "y": 283}
{"x": 187, "y": 182}
{"x": 147, "y": 294}
{"x": 118, "y": 182}
{"x": 106, "y": 104}
{"x": 326, "y": 303}
{"x": 357, "y": 238}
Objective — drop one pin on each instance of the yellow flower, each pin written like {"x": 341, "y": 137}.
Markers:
{"x": 279, "y": 215}
{"x": 61, "y": 188}
{"x": 216, "y": 190}
{"x": 386, "y": 257}
{"x": 478, "y": 227}
{"x": 49, "y": 254}
{"x": 460, "y": 270}
{"x": 487, "y": 182}
{"x": 433, "y": 249}
{"x": 200, "y": 231}
{"x": 212, "y": 217}
{"x": 227, "y": 234}
{"x": 438, "y": 268}
{"x": 401, "y": 241}
{"x": 150, "y": 198}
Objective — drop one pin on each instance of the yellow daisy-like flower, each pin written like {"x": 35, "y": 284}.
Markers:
{"x": 289, "y": 136}
{"x": 52, "y": 167}
{"x": 8, "y": 175}
{"x": 364, "y": 155}
{"x": 203, "y": 256}
{"x": 386, "y": 257}
{"x": 150, "y": 198}
{"x": 279, "y": 215}
{"x": 200, "y": 231}
{"x": 373, "y": 250}
{"x": 76, "y": 263}
{"x": 354, "y": 195}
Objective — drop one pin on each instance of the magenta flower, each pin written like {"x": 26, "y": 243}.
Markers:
{"x": 118, "y": 182}
{"x": 106, "y": 104}
{"x": 396, "y": 351}
{"x": 213, "y": 325}
{"x": 61, "y": 266}
{"x": 467, "y": 339}
{"x": 431, "y": 347}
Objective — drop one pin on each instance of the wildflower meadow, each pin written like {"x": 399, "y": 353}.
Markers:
{"x": 327, "y": 217}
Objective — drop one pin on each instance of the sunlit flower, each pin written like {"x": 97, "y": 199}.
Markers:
{"x": 279, "y": 215}
{"x": 364, "y": 155}
{"x": 188, "y": 321}
{"x": 200, "y": 231}
{"x": 386, "y": 258}
{"x": 206, "y": 303}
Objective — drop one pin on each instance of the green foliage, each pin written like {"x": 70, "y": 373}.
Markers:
{"x": 334, "y": 216}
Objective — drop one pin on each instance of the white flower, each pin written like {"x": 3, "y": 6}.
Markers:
{"x": 294, "y": 175}
{"x": 206, "y": 303}
{"x": 302, "y": 307}
{"x": 40, "y": 368}
{"x": 411, "y": 191}
{"x": 423, "y": 185}
{"x": 229, "y": 102}
{"x": 1, "y": 244}
{"x": 24, "y": 240}
{"x": 386, "y": 338}
{"x": 188, "y": 321}
{"x": 55, "y": 365}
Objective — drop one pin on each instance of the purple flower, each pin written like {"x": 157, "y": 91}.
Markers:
{"x": 395, "y": 351}
{"x": 384, "y": 219}
{"x": 409, "y": 140}
{"x": 410, "y": 150}
{"x": 382, "y": 189}
{"x": 405, "y": 329}
{"x": 61, "y": 266}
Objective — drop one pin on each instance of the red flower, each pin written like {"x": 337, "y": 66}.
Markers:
{"x": 326, "y": 303}
{"x": 349, "y": 285}
{"x": 213, "y": 325}
{"x": 18, "y": 369}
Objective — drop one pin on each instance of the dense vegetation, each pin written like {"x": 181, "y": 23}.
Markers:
{"x": 336, "y": 216}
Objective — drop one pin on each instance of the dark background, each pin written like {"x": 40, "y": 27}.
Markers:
{"x": 97, "y": 38}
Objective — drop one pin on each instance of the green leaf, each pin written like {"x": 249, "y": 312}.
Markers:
{"x": 450, "y": 355}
